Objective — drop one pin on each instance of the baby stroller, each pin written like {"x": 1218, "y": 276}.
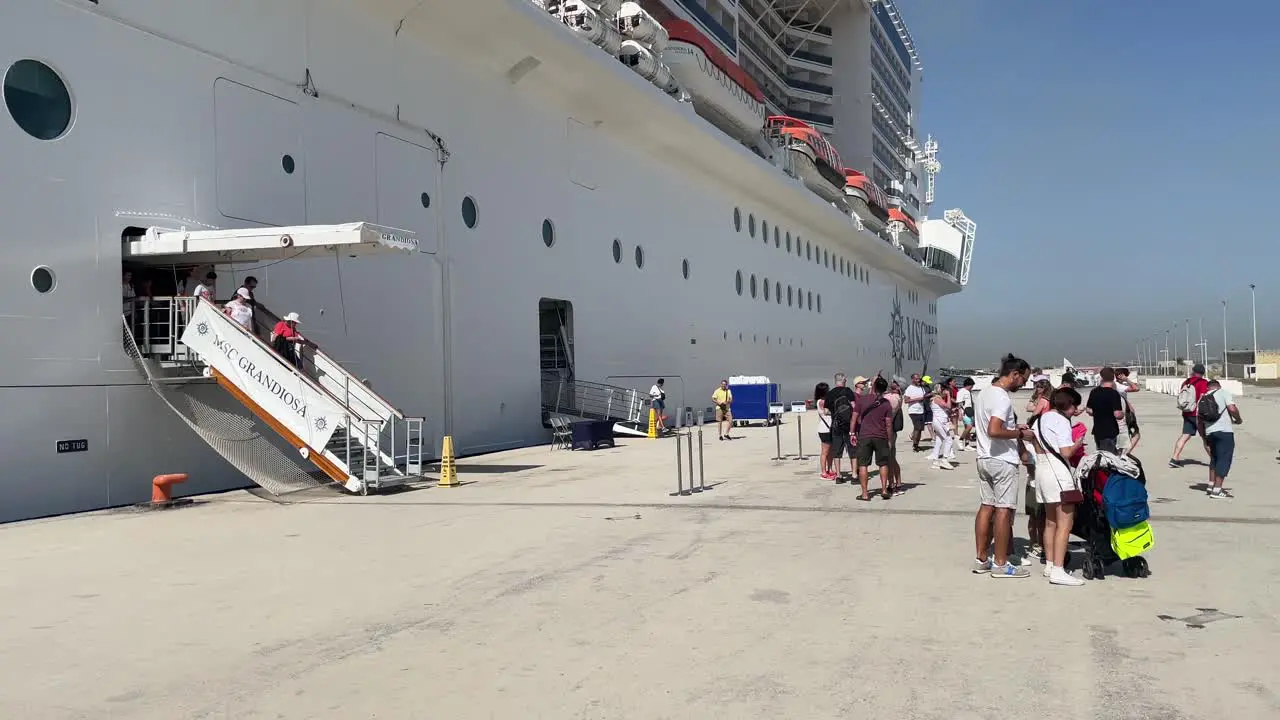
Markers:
{"x": 1090, "y": 523}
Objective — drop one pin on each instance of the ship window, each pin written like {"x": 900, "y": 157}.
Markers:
{"x": 777, "y": 292}
{"x": 753, "y": 286}
{"x": 617, "y": 250}
{"x": 808, "y": 251}
{"x": 639, "y": 257}
{"x": 470, "y": 213}
{"x": 768, "y": 340}
{"x": 798, "y": 248}
{"x": 43, "y": 280}
{"x": 548, "y": 232}
{"x": 737, "y": 284}
{"x": 751, "y": 224}
{"x": 826, "y": 259}
{"x": 737, "y": 220}
{"x": 789, "y": 296}
{"x": 287, "y": 164}
{"x": 799, "y": 299}
{"x": 739, "y": 337}
{"x": 766, "y": 289}
{"x": 764, "y": 230}
{"x": 755, "y": 338}
{"x": 777, "y": 237}
{"x": 425, "y": 199}
{"x": 684, "y": 268}
{"x": 37, "y": 99}
{"x": 726, "y": 334}
{"x": 788, "y": 243}
{"x": 819, "y": 302}
{"x": 810, "y": 295}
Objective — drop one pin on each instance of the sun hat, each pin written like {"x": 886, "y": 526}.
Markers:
{"x": 291, "y": 317}
{"x": 926, "y": 380}
{"x": 859, "y": 379}
{"x": 243, "y": 292}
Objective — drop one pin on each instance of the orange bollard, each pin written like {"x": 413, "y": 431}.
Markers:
{"x": 162, "y": 486}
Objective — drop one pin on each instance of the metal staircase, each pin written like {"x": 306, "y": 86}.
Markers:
{"x": 339, "y": 430}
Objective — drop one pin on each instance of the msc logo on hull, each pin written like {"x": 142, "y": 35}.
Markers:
{"x": 911, "y": 340}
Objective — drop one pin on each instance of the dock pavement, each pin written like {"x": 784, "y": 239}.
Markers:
{"x": 556, "y": 584}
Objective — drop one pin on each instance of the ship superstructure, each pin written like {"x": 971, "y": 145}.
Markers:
{"x": 479, "y": 210}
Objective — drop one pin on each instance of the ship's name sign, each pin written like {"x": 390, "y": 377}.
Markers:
{"x": 262, "y": 375}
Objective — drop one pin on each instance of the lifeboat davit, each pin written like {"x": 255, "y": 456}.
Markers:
{"x": 647, "y": 65}
{"x": 813, "y": 156}
{"x": 909, "y": 224}
{"x": 722, "y": 91}
{"x": 866, "y": 200}
{"x": 592, "y": 20}
{"x": 635, "y": 23}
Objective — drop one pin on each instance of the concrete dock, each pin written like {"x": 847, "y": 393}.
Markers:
{"x": 559, "y": 585}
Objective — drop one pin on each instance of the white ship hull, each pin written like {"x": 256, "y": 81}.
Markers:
{"x": 715, "y": 95}
{"x": 398, "y": 119}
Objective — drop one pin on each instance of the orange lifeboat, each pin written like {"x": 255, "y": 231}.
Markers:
{"x": 897, "y": 215}
{"x": 816, "y": 160}
{"x": 866, "y": 200}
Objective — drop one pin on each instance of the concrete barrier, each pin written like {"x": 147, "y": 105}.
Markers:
{"x": 1171, "y": 385}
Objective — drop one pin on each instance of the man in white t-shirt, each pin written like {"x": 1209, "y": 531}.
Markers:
{"x": 964, "y": 401}
{"x": 206, "y": 289}
{"x": 997, "y": 466}
{"x": 658, "y": 401}
{"x": 914, "y": 398}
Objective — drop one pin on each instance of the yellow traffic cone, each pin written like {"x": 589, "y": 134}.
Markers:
{"x": 653, "y": 423}
{"x": 448, "y": 471}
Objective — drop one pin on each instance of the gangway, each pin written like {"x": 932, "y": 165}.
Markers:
{"x": 308, "y": 423}
{"x": 627, "y": 407}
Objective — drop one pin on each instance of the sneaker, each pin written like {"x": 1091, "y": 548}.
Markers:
{"x": 1023, "y": 561}
{"x": 945, "y": 466}
{"x": 1062, "y": 577}
{"x": 981, "y": 566}
{"x": 1220, "y": 494}
{"x": 1009, "y": 570}
{"x": 828, "y": 476}
{"x": 1048, "y": 570}
{"x": 1175, "y": 463}
{"x": 1036, "y": 551}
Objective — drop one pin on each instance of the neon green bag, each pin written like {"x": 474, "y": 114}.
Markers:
{"x": 1133, "y": 541}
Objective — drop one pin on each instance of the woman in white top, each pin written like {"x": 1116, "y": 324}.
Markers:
{"x": 1056, "y": 486}
{"x": 824, "y": 430}
{"x": 943, "y": 451}
{"x": 239, "y": 310}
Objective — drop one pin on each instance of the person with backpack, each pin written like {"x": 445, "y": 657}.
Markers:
{"x": 1193, "y": 388}
{"x": 840, "y": 401}
{"x": 1215, "y": 415}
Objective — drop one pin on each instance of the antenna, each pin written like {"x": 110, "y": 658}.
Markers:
{"x": 928, "y": 159}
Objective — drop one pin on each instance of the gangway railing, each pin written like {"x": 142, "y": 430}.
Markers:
{"x": 592, "y": 401}
{"x": 372, "y": 444}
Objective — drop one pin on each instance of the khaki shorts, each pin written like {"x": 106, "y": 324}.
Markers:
{"x": 998, "y": 483}
{"x": 723, "y": 415}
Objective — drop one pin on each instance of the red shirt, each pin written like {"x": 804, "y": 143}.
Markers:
{"x": 283, "y": 330}
{"x": 1202, "y": 386}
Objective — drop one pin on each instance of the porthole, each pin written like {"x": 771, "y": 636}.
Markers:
{"x": 789, "y": 296}
{"x": 37, "y": 99}
{"x": 737, "y": 285}
{"x": 740, "y": 337}
{"x": 819, "y": 303}
{"x": 810, "y": 301}
{"x": 808, "y": 251}
{"x": 684, "y": 268}
{"x": 425, "y": 199}
{"x": 799, "y": 250}
{"x": 737, "y": 220}
{"x": 617, "y": 250}
{"x": 788, "y": 241}
{"x": 777, "y": 237}
{"x": 755, "y": 338}
{"x": 766, "y": 289}
{"x": 548, "y": 233}
{"x": 799, "y": 299}
{"x": 639, "y": 253}
{"x": 287, "y": 163}
{"x": 470, "y": 213}
{"x": 777, "y": 292}
{"x": 726, "y": 334}
{"x": 764, "y": 230}
{"x": 43, "y": 280}
{"x": 751, "y": 224}
{"x": 826, "y": 259}
{"x": 753, "y": 287}
{"x": 768, "y": 340}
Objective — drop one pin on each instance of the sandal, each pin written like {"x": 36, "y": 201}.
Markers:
{"x": 864, "y": 498}
{"x": 886, "y": 495}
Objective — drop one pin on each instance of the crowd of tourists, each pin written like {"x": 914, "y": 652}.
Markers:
{"x": 862, "y": 420}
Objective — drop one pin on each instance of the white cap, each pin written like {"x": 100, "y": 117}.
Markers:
{"x": 243, "y": 292}
{"x": 291, "y": 317}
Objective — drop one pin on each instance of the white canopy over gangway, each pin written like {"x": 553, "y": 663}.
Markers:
{"x": 213, "y": 247}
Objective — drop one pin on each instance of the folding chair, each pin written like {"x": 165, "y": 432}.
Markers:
{"x": 561, "y": 432}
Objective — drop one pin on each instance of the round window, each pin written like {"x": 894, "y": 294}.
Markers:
{"x": 470, "y": 213}
{"x": 617, "y": 250}
{"x": 737, "y": 284}
{"x": 777, "y": 237}
{"x": 764, "y": 230}
{"x": 766, "y": 289}
{"x": 808, "y": 251}
{"x": 425, "y": 199}
{"x": 777, "y": 292}
{"x": 684, "y": 268}
{"x": 737, "y": 220}
{"x": 287, "y": 164}
{"x": 788, "y": 241}
{"x": 548, "y": 233}
{"x": 799, "y": 249}
{"x": 37, "y": 99}
{"x": 639, "y": 257}
{"x": 43, "y": 280}
{"x": 751, "y": 225}
{"x": 789, "y": 296}
{"x": 810, "y": 299}
{"x": 753, "y": 286}
{"x": 819, "y": 302}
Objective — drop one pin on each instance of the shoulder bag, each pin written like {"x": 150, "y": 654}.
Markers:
{"x": 1072, "y": 495}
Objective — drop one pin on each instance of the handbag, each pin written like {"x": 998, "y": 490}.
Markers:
{"x": 1074, "y": 495}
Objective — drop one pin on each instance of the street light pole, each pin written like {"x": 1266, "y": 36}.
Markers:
{"x": 1186, "y": 325}
{"x": 1253, "y": 298}
{"x": 1204, "y": 353}
{"x": 1226, "y": 368}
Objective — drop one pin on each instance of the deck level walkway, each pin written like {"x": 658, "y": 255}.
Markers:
{"x": 570, "y": 585}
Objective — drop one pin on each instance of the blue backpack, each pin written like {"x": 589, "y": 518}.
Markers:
{"x": 1125, "y": 501}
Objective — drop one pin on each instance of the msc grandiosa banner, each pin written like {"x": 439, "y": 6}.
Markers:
{"x": 262, "y": 375}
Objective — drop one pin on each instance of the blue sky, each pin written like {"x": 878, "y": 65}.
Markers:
{"x": 1120, "y": 159}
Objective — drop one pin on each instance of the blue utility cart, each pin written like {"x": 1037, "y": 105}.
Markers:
{"x": 751, "y": 403}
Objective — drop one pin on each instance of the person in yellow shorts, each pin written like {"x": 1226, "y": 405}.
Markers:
{"x": 722, "y": 398}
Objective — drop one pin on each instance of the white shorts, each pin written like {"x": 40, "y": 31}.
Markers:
{"x": 1052, "y": 479}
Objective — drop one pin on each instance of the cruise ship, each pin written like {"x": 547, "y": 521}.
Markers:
{"x": 484, "y": 213}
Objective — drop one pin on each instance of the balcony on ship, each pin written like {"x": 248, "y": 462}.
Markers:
{"x": 765, "y": 14}
{"x": 717, "y": 18}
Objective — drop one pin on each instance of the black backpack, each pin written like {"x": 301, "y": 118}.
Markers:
{"x": 897, "y": 420}
{"x": 1208, "y": 410}
{"x": 842, "y": 413}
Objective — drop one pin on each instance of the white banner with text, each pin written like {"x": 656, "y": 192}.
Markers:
{"x": 262, "y": 375}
